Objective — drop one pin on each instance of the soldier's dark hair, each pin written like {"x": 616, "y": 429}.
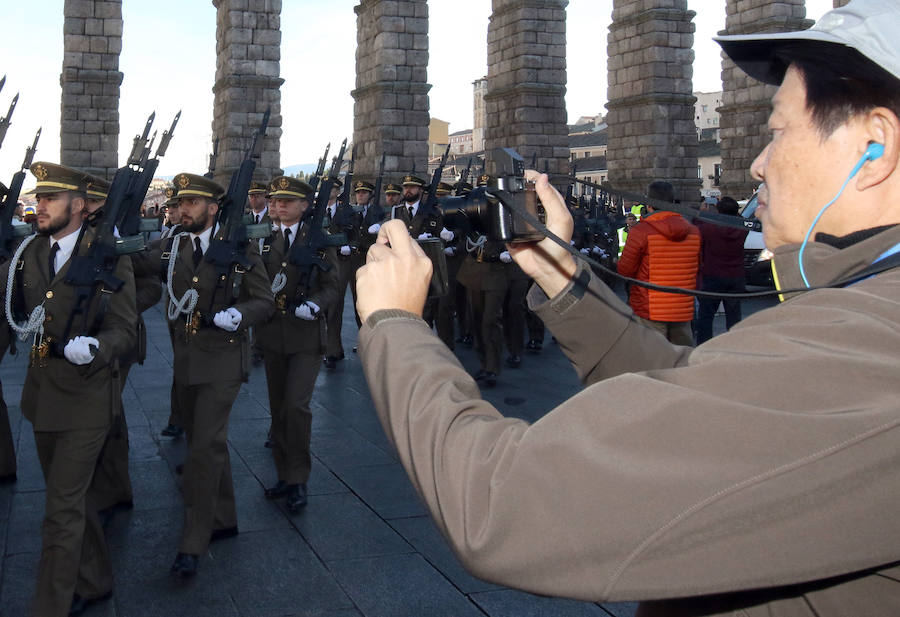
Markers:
{"x": 661, "y": 190}
{"x": 840, "y": 83}
{"x": 728, "y": 205}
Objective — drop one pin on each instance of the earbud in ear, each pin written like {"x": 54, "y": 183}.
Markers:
{"x": 874, "y": 151}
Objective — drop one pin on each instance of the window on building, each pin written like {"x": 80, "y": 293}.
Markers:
{"x": 717, "y": 175}
{"x": 699, "y": 172}
{"x": 705, "y": 108}
{"x": 586, "y": 154}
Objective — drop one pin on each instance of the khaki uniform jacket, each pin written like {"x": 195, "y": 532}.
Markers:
{"x": 487, "y": 273}
{"x": 285, "y": 333}
{"x": 204, "y": 353}
{"x": 59, "y": 395}
{"x": 766, "y": 459}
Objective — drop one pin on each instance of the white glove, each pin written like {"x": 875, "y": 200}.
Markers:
{"x": 373, "y": 229}
{"x": 585, "y": 251}
{"x": 308, "y": 311}
{"x": 572, "y": 242}
{"x": 598, "y": 251}
{"x": 505, "y": 257}
{"x": 345, "y": 250}
{"x": 447, "y": 235}
{"x": 424, "y": 236}
{"x": 229, "y": 319}
{"x": 450, "y": 251}
{"x": 78, "y": 350}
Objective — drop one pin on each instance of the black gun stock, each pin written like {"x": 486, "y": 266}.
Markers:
{"x": 229, "y": 246}
{"x": 376, "y": 197}
{"x": 431, "y": 200}
{"x": 464, "y": 176}
{"x": 320, "y": 169}
{"x": 212, "y": 160}
{"x": 10, "y": 201}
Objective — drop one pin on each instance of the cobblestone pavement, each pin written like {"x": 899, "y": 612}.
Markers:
{"x": 364, "y": 545}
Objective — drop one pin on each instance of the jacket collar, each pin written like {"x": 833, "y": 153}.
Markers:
{"x": 826, "y": 264}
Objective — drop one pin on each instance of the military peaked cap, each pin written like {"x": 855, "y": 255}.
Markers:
{"x": 443, "y": 189}
{"x": 257, "y": 188}
{"x": 362, "y": 185}
{"x": 53, "y": 178}
{"x": 291, "y": 188}
{"x": 393, "y": 188}
{"x": 410, "y": 179}
{"x": 191, "y": 185}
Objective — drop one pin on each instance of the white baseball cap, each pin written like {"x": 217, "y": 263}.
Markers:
{"x": 870, "y": 27}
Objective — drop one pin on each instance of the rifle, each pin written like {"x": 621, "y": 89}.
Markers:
{"x": 229, "y": 246}
{"x": 320, "y": 169}
{"x": 571, "y": 186}
{"x": 376, "y": 197}
{"x": 96, "y": 268}
{"x": 464, "y": 176}
{"x": 306, "y": 255}
{"x": 212, "y": 160}
{"x": 4, "y": 121}
{"x": 431, "y": 200}
{"x": 8, "y": 231}
{"x": 128, "y": 219}
{"x": 344, "y": 197}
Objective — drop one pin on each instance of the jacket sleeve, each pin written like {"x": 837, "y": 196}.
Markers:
{"x": 326, "y": 294}
{"x": 117, "y": 333}
{"x": 751, "y": 464}
{"x": 146, "y": 283}
{"x": 255, "y": 303}
{"x": 635, "y": 247}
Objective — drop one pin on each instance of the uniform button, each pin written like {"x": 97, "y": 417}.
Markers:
{"x": 48, "y": 318}
{"x": 49, "y": 294}
{"x": 195, "y": 279}
{"x": 231, "y": 340}
{"x": 284, "y": 264}
{"x": 223, "y": 277}
{"x": 284, "y": 312}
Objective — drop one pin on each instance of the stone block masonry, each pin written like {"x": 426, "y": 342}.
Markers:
{"x": 90, "y": 80}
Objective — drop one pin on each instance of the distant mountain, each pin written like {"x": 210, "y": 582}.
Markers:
{"x": 308, "y": 168}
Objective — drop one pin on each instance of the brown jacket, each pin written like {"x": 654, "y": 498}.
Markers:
{"x": 767, "y": 459}
{"x": 285, "y": 333}
{"x": 59, "y": 395}
{"x": 204, "y": 353}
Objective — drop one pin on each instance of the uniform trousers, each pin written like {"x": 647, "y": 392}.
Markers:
{"x": 290, "y": 379}
{"x": 74, "y": 555}
{"x": 346, "y": 271}
{"x": 112, "y": 482}
{"x": 535, "y": 326}
{"x": 7, "y": 446}
{"x": 487, "y": 320}
{"x": 514, "y": 310}
{"x": 207, "y": 485}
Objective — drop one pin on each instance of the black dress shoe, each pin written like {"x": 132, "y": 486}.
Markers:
{"x": 179, "y": 468}
{"x": 466, "y": 340}
{"x": 8, "y": 478}
{"x": 479, "y": 375}
{"x": 172, "y": 430}
{"x": 296, "y": 497}
{"x": 185, "y": 565}
{"x": 355, "y": 349}
{"x": 514, "y": 361}
{"x": 221, "y": 534}
{"x": 330, "y": 362}
{"x": 279, "y": 489}
{"x": 268, "y": 443}
{"x": 490, "y": 379}
{"x": 79, "y": 604}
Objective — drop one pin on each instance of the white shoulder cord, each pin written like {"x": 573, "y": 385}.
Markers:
{"x": 279, "y": 282}
{"x": 35, "y": 322}
{"x": 188, "y": 301}
{"x": 471, "y": 247}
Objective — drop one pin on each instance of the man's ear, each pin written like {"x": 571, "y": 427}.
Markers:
{"x": 78, "y": 204}
{"x": 213, "y": 208}
{"x": 880, "y": 126}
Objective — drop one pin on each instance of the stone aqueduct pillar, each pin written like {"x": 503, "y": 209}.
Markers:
{"x": 525, "y": 100}
{"x": 248, "y": 55}
{"x": 391, "y": 96}
{"x": 90, "y": 80}
{"x": 652, "y": 135}
{"x": 746, "y": 102}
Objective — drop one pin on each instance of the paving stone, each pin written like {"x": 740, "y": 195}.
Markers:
{"x": 24, "y": 524}
{"x": 274, "y": 571}
{"x": 342, "y": 450}
{"x": 152, "y": 485}
{"x": 512, "y": 603}
{"x": 421, "y": 532}
{"x": 340, "y": 527}
{"x": 400, "y": 585}
{"x": 386, "y": 489}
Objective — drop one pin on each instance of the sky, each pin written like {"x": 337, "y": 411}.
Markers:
{"x": 168, "y": 61}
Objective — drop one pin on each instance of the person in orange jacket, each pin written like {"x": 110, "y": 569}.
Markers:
{"x": 664, "y": 249}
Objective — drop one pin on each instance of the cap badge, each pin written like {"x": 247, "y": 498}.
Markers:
{"x": 40, "y": 172}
